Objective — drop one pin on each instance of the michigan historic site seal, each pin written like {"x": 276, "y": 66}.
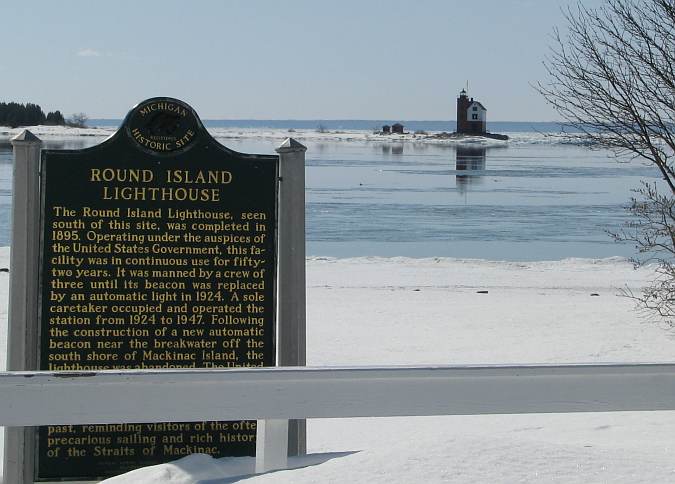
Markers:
{"x": 163, "y": 125}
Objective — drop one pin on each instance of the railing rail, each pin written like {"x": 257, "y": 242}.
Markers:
{"x": 47, "y": 398}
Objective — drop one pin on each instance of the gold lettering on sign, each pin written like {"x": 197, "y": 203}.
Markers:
{"x": 210, "y": 192}
{"x": 155, "y": 273}
{"x": 120, "y": 175}
{"x": 163, "y": 106}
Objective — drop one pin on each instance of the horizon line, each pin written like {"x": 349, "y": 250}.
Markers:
{"x": 351, "y": 119}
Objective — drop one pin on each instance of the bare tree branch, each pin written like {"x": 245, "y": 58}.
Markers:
{"x": 612, "y": 78}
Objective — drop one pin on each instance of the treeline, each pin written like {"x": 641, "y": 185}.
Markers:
{"x": 29, "y": 114}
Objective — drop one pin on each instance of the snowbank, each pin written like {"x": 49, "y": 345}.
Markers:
{"x": 310, "y": 135}
{"x": 57, "y": 131}
{"x": 414, "y": 311}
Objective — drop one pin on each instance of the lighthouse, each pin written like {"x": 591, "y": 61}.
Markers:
{"x": 471, "y": 115}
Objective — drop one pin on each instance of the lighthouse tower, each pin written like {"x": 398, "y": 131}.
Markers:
{"x": 471, "y": 115}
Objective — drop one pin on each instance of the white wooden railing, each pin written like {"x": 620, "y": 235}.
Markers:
{"x": 273, "y": 395}
{"x": 42, "y": 398}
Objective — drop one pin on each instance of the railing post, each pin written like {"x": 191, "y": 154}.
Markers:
{"x": 23, "y": 293}
{"x": 291, "y": 285}
{"x": 271, "y": 445}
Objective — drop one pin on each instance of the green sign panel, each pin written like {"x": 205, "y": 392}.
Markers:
{"x": 158, "y": 251}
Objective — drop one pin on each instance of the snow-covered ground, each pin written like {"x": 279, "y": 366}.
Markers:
{"x": 60, "y": 132}
{"x": 56, "y": 131}
{"x": 368, "y": 311}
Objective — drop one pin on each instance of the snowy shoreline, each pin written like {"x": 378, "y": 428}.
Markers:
{"x": 386, "y": 311}
{"x": 313, "y": 135}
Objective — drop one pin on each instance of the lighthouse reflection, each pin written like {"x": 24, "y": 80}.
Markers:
{"x": 470, "y": 160}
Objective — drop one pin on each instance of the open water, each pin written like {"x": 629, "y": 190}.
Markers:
{"x": 530, "y": 199}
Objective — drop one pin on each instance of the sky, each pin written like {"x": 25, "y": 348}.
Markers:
{"x": 271, "y": 59}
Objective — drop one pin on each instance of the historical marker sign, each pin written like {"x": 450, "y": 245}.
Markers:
{"x": 158, "y": 251}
